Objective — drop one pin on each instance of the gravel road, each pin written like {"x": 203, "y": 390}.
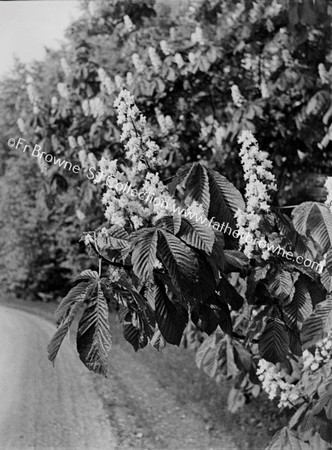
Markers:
{"x": 67, "y": 407}
{"x": 42, "y": 407}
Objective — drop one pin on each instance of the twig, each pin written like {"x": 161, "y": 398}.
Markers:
{"x": 112, "y": 263}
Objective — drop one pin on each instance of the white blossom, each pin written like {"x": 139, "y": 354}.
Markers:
{"x": 129, "y": 26}
{"x": 264, "y": 89}
{"x": 32, "y": 94}
{"x": 80, "y": 215}
{"x": 166, "y": 123}
{"x": 72, "y": 142}
{"x": 138, "y": 64}
{"x": 274, "y": 385}
{"x": 197, "y": 36}
{"x": 43, "y": 166}
{"x": 259, "y": 181}
{"x": 324, "y": 75}
{"x": 192, "y": 57}
{"x": 97, "y": 107}
{"x": 65, "y": 67}
{"x": 328, "y": 187}
{"x": 178, "y": 60}
{"x": 55, "y": 142}
{"x": 121, "y": 207}
{"x": 92, "y": 160}
{"x": 256, "y": 12}
{"x": 21, "y": 124}
{"x": 114, "y": 274}
{"x": 165, "y": 48}
{"x": 63, "y": 90}
{"x": 119, "y": 83}
{"x": 157, "y": 264}
{"x": 274, "y": 9}
{"x": 54, "y": 102}
{"x": 82, "y": 156}
{"x": 129, "y": 79}
{"x": 237, "y": 97}
{"x": 277, "y": 383}
{"x": 137, "y": 221}
{"x": 29, "y": 79}
{"x": 105, "y": 81}
{"x": 85, "y": 107}
{"x": 196, "y": 209}
{"x": 154, "y": 58}
{"x": 88, "y": 238}
{"x": 107, "y": 167}
{"x": 80, "y": 141}
{"x": 220, "y": 134}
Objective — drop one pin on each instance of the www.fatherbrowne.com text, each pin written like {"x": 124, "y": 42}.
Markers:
{"x": 224, "y": 227}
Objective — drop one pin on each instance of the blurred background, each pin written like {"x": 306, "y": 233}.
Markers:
{"x": 201, "y": 72}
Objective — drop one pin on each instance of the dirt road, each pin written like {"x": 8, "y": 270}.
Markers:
{"x": 67, "y": 407}
{"x": 40, "y": 406}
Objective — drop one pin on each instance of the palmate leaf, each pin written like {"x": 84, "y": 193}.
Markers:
{"x": 134, "y": 333}
{"x": 318, "y": 324}
{"x": 178, "y": 259}
{"x": 134, "y": 337}
{"x": 300, "y": 307}
{"x": 294, "y": 341}
{"x": 287, "y": 439}
{"x": 170, "y": 223}
{"x": 235, "y": 261}
{"x": 126, "y": 294}
{"x": 326, "y": 280}
{"x": 65, "y": 315}
{"x": 274, "y": 342}
{"x": 137, "y": 327}
{"x": 197, "y": 186}
{"x": 227, "y": 366}
{"x": 329, "y": 260}
{"x": 301, "y": 244}
{"x": 206, "y": 282}
{"x": 281, "y": 285}
{"x": 242, "y": 357}
{"x": 196, "y": 235}
{"x": 145, "y": 254}
{"x": 117, "y": 238}
{"x": 217, "y": 255}
{"x": 206, "y": 318}
{"x": 179, "y": 178}
{"x": 208, "y": 353}
{"x": 230, "y": 294}
{"x": 219, "y": 198}
{"x": 157, "y": 341}
{"x": 225, "y": 199}
{"x": 314, "y": 219}
{"x": 76, "y": 295}
{"x": 236, "y": 400}
{"x": 216, "y": 357}
{"x": 93, "y": 335}
{"x": 319, "y": 423}
{"x": 211, "y": 313}
{"x": 87, "y": 275}
{"x": 171, "y": 319}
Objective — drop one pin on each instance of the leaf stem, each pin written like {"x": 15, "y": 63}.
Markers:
{"x": 111, "y": 263}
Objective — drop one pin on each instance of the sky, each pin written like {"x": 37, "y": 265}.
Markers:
{"x": 27, "y": 26}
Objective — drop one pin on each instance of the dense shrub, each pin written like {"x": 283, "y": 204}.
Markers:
{"x": 197, "y": 84}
